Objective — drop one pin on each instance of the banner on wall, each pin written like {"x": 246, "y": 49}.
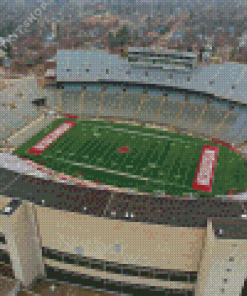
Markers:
{"x": 51, "y": 137}
{"x": 206, "y": 169}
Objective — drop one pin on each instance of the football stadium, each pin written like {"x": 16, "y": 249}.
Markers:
{"x": 143, "y": 159}
{"x": 134, "y": 184}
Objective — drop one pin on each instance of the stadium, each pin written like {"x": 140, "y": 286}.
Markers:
{"x": 144, "y": 173}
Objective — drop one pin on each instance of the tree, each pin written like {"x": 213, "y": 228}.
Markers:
{"x": 164, "y": 30}
{"x": 122, "y": 36}
{"x": 234, "y": 51}
{"x": 8, "y": 50}
{"x": 121, "y": 39}
{"x": 111, "y": 40}
{"x": 135, "y": 36}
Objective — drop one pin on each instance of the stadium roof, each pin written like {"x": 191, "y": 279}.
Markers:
{"x": 214, "y": 79}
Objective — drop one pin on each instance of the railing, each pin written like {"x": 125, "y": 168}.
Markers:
{"x": 5, "y": 262}
{"x": 111, "y": 286}
{"x": 123, "y": 269}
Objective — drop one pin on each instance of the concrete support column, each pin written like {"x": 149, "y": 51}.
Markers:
{"x": 23, "y": 242}
{"x": 201, "y": 116}
{"x": 123, "y": 94}
{"x": 145, "y": 94}
{"x": 103, "y": 90}
{"x": 163, "y": 98}
{"x": 223, "y": 267}
{"x": 181, "y": 110}
{"x": 81, "y": 100}
{"x": 221, "y": 123}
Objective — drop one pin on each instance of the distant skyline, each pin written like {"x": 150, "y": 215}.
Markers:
{"x": 175, "y": 2}
{"x": 228, "y": 4}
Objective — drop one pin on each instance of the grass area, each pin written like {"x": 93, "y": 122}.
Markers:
{"x": 158, "y": 160}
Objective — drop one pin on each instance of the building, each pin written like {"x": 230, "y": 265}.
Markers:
{"x": 206, "y": 54}
{"x": 181, "y": 261}
{"x": 206, "y": 57}
{"x": 50, "y": 77}
{"x": 162, "y": 59}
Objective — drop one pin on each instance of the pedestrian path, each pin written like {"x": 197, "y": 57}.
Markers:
{"x": 14, "y": 163}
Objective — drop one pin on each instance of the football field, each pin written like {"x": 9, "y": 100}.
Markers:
{"x": 126, "y": 156}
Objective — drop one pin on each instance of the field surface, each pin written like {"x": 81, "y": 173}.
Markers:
{"x": 141, "y": 158}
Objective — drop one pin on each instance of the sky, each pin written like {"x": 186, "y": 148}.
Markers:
{"x": 189, "y": 2}
{"x": 31, "y": 4}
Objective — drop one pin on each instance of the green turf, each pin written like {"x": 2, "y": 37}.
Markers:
{"x": 167, "y": 159}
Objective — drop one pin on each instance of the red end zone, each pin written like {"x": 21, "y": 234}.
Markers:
{"x": 51, "y": 137}
{"x": 205, "y": 169}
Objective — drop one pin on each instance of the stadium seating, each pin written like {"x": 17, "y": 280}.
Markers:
{"x": 199, "y": 113}
{"x": 231, "y": 129}
{"x": 193, "y": 112}
{"x": 150, "y": 108}
{"x": 70, "y": 102}
{"x": 130, "y": 105}
{"x": 92, "y": 101}
{"x": 211, "y": 118}
{"x": 170, "y": 110}
{"x": 190, "y": 115}
{"x": 111, "y": 103}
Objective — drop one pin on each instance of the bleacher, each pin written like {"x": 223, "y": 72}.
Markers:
{"x": 70, "y": 101}
{"x": 130, "y": 105}
{"x": 191, "y": 114}
{"x": 233, "y": 129}
{"x": 14, "y": 119}
{"x": 111, "y": 103}
{"x": 150, "y": 108}
{"x": 92, "y": 101}
{"x": 204, "y": 115}
{"x": 169, "y": 111}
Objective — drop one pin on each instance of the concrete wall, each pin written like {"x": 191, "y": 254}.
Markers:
{"x": 30, "y": 227}
{"x": 217, "y": 274}
{"x": 23, "y": 244}
{"x": 141, "y": 244}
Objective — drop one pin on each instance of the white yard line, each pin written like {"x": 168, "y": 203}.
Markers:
{"x": 151, "y": 135}
{"x": 122, "y": 174}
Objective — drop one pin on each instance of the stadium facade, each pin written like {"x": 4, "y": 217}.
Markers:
{"x": 133, "y": 243}
{"x": 148, "y": 57}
